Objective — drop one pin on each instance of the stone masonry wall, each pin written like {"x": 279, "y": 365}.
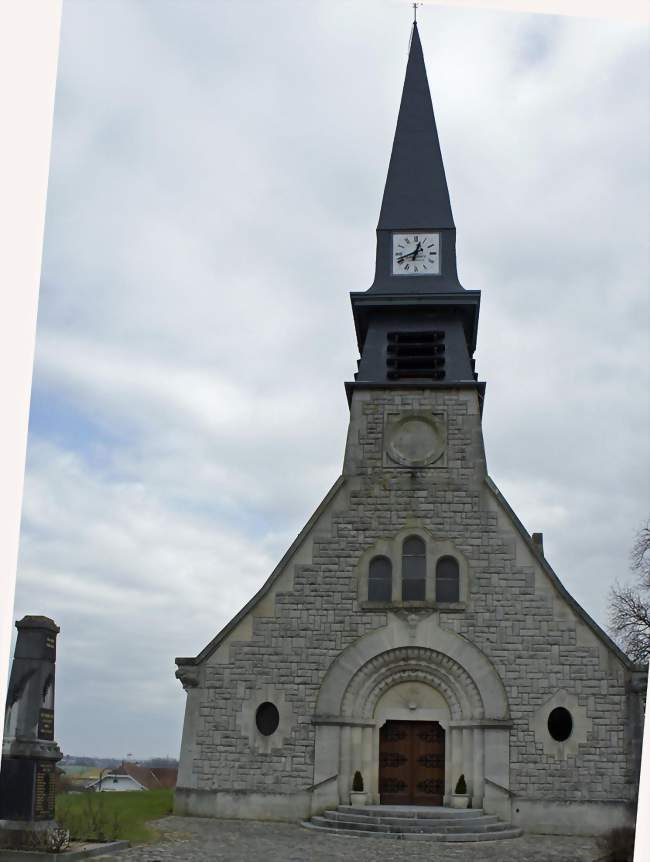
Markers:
{"x": 514, "y": 615}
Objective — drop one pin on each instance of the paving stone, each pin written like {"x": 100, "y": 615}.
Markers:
{"x": 186, "y": 839}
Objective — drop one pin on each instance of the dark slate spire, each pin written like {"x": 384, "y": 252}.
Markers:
{"x": 416, "y": 329}
{"x": 416, "y": 193}
{"x": 416, "y": 199}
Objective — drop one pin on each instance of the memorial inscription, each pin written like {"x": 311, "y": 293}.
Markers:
{"x": 46, "y": 724}
{"x": 44, "y": 791}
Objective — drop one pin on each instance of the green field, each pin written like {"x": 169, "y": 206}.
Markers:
{"x": 109, "y": 816}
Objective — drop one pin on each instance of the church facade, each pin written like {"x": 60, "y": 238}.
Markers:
{"x": 414, "y": 632}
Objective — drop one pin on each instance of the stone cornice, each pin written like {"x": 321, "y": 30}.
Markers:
{"x": 31, "y": 749}
{"x": 343, "y": 721}
{"x": 348, "y": 721}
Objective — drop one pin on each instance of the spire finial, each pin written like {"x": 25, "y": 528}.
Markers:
{"x": 415, "y": 12}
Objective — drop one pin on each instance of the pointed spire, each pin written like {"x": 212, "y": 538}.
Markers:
{"x": 416, "y": 194}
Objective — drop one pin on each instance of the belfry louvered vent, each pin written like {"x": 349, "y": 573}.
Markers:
{"x": 416, "y": 354}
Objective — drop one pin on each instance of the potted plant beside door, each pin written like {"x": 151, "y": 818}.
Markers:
{"x": 460, "y": 797}
{"x": 358, "y": 796}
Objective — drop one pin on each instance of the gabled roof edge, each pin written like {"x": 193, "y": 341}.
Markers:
{"x": 102, "y": 780}
{"x": 557, "y": 583}
{"x": 207, "y": 651}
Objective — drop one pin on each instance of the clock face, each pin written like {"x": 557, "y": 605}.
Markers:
{"x": 416, "y": 254}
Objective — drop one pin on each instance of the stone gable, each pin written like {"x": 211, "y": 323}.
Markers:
{"x": 514, "y": 614}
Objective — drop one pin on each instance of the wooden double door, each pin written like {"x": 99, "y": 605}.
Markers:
{"x": 411, "y": 763}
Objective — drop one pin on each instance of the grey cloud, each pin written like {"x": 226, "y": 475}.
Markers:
{"x": 215, "y": 185}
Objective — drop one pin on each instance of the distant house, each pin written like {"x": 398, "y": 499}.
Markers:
{"x": 114, "y": 782}
{"x": 132, "y": 776}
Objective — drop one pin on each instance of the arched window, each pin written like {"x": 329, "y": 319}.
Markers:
{"x": 414, "y": 569}
{"x": 380, "y": 580}
{"x": 447, "y": 580}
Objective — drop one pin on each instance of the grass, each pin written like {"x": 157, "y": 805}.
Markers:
{"x": 111, "y": 816}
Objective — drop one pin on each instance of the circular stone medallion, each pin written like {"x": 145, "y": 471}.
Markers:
{"x": 415, "y": 441}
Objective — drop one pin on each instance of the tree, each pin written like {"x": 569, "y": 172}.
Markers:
{"x": 629, "y": 616}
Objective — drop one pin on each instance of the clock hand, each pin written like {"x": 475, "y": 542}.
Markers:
{"x": 412, "y": 254}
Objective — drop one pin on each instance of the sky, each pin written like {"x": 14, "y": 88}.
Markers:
{"x": 216, "y": 177}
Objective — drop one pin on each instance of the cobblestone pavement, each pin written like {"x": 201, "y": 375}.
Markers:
{"x": 189, "y": 839}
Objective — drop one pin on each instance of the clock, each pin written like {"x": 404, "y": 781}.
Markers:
{"x": 416, "y": 254}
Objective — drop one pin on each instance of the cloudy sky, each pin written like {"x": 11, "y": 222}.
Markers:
{"x": 217, "y": 170}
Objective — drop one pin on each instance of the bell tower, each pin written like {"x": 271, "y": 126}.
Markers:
{"x": 416, "y": 325}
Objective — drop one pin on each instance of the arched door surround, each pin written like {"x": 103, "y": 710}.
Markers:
{"x": 472, "y": 706}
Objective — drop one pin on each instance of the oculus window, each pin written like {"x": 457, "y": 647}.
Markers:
{"x": 267, "y": 718}
{"x": 560, "y": 723}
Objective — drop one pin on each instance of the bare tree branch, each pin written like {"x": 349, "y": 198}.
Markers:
{"x": 629, "y": 617}
{"x": 640, "y": 556}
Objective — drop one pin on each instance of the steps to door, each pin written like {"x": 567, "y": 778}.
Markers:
{"x": 412, "y": 823}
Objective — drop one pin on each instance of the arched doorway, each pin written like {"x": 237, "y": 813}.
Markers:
{"x": 411, "y": 716}
{"x": 411, "y": 685}
{"x": 411, "y": 763}
{"x": 374, "y": 682}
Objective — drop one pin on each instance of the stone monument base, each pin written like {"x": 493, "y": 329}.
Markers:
{"x": 44, "y": 835}
{"x": 76, "y": 851}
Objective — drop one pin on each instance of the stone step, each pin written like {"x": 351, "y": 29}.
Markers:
{"x": 421, "y": 826}
{"x": 465, "y": 822}
{"x": 506, "y": 833}
{"x": 390, "y": 825}
{"x": 358, "y": 833}
{"x": 344, "y": 826}
{"x": 410, "y": 811}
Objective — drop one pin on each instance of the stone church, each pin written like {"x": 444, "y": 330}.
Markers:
{"x": 414, "y": 632}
